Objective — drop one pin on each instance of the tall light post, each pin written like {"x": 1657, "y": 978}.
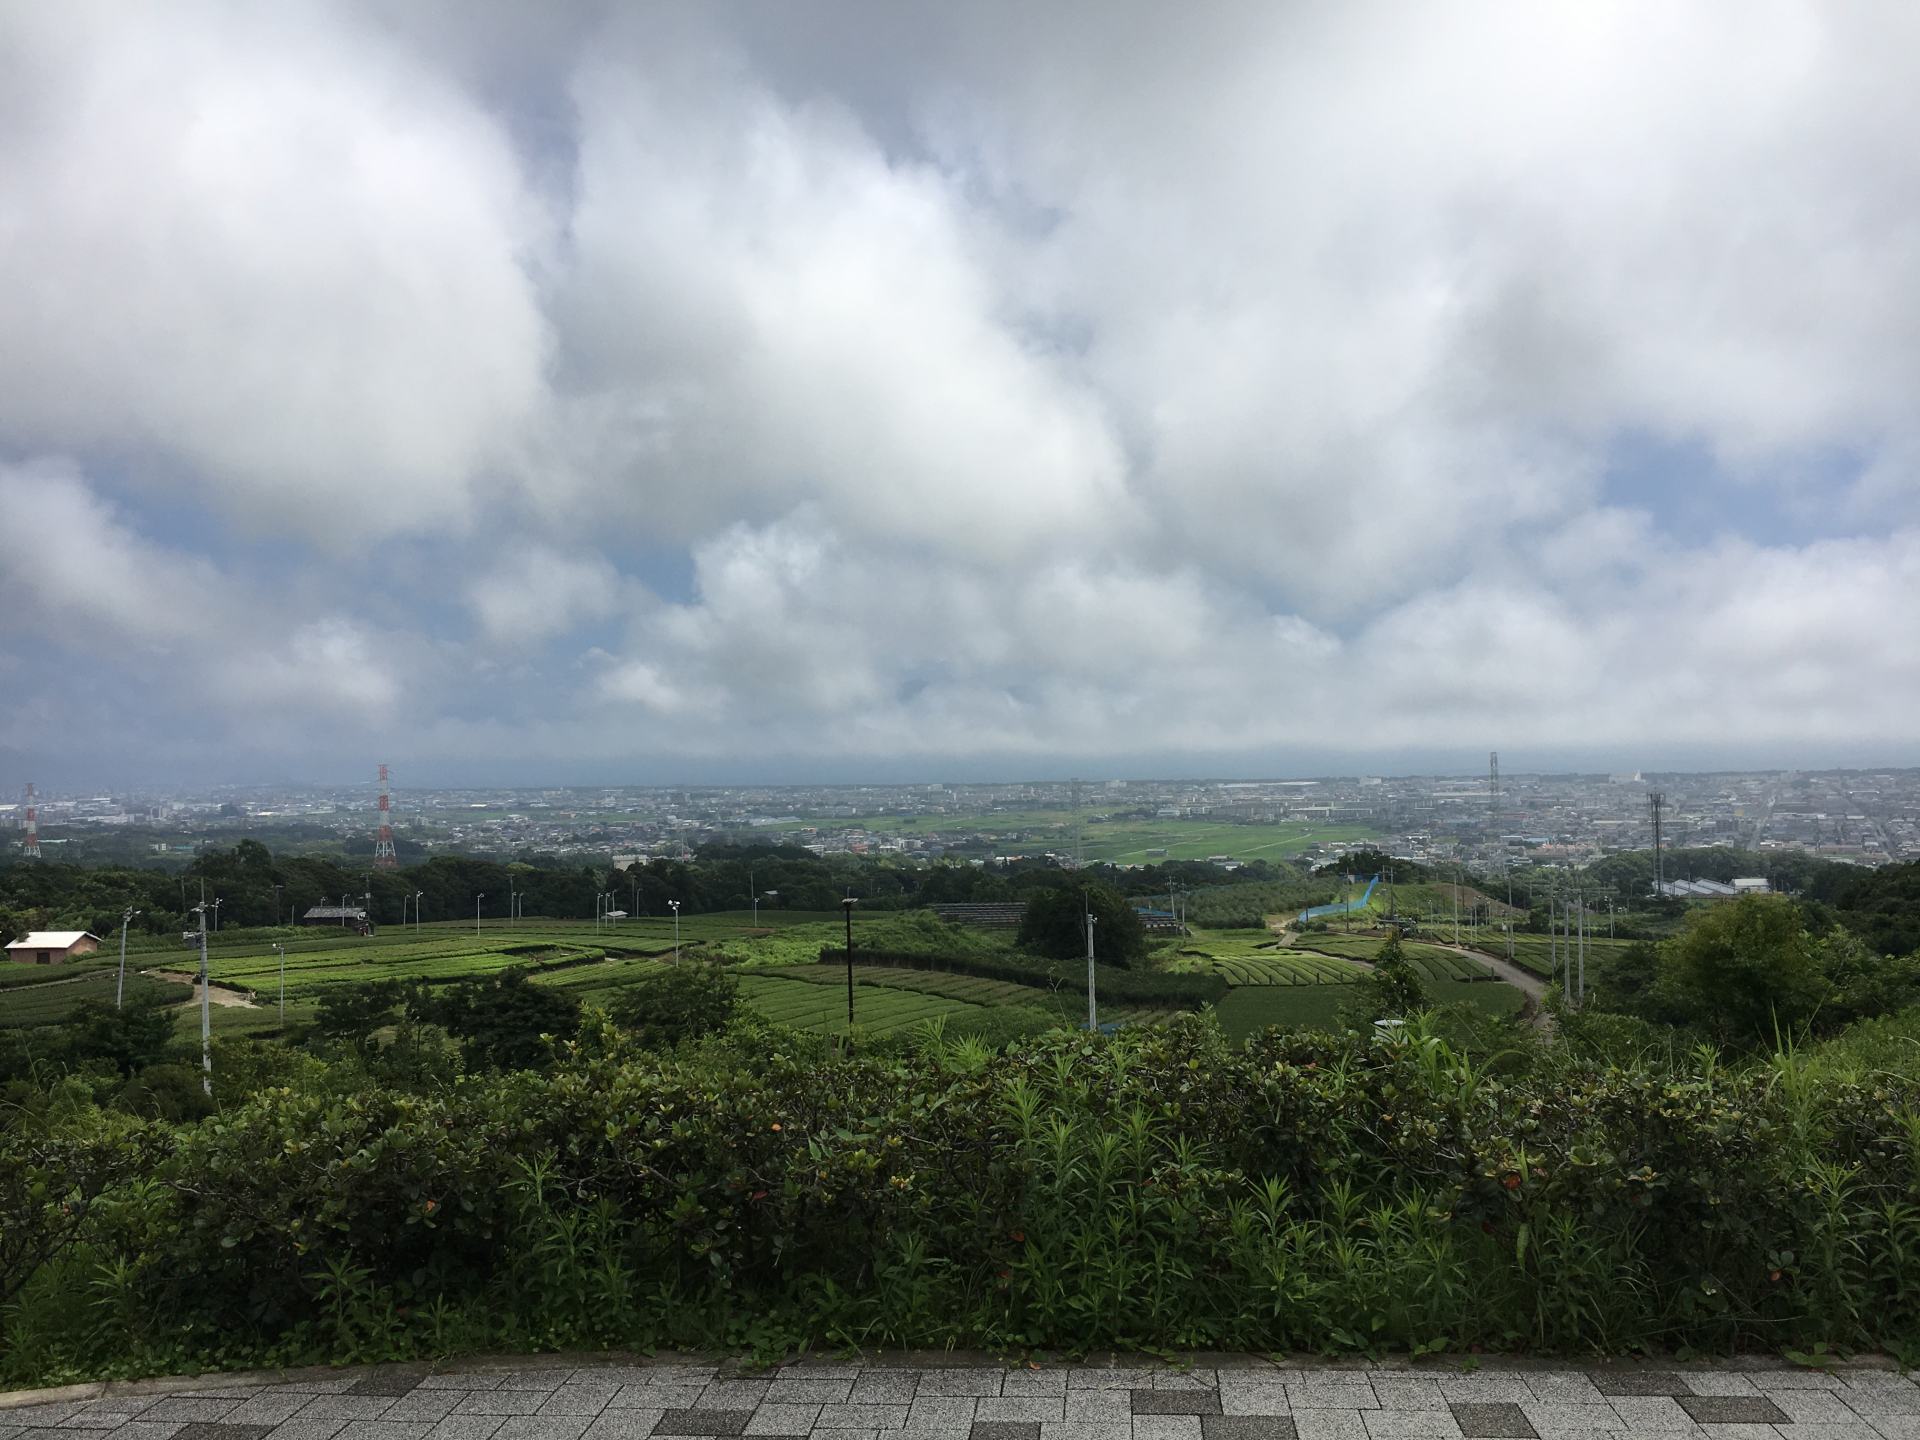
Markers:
{"x": 206, "y": 1011}
{"x": 416, "y": 910}
{"x": 674, "y": 905}
{"x": 120, "y": 990}
{"x": 476, "y": 912}
{"x": 283, "y": 982}
{"x": 218, "y": 901}
{"x": 847, "y": 905}
{"x": 756, "y": 904}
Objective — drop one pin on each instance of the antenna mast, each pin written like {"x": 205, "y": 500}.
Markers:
{"x": 383, "y": 853}
{"x": 31, "y": 824}
{"x": 1656, "y": 802}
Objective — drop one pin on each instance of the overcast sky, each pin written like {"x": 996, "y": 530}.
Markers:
{"x": 638, "y": 392}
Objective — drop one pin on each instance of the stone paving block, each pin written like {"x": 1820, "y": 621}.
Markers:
{"x": 1492, "y": 1419}
{"x": 1851, "y": 1430}
{"x": 1100, "y": 1407}
{"x": 785, "y": 1420}
{"x": 1876, "y": 1401}
{"x": 1175, "y": 1402}
{"x": 585, "y": 1401}
{"x": 1247, "y": 1427}
{"x": 156, "y": 1430}
{"x": 1794, "y": 1379}
{"x": 1096, "y": 1377}
{"x": 813, "y": 1368}
{"x": 385, "y": 1430}
{"x": 1651, "y": 1412}
{"x": 1562, "y": 1387}
{"x": 1595, "y": 1418}
{"x": 1257, "y": 1394}
{"x": 1895, "y": 1427}
{"x": 385, "y": 1382}
{"x": 270, "y": 1409}
{"x": 960, "y": 1382}
{"x": 460, "y": 1380}
{"x": 951, "y": 1431}
{"x": 501, "y": 1402}
{"x": 44, "y": 1417}
{"x": 657, "y": 1397}
{"x": 1813, "y": 1407}
{"x": 427, "y": 1405}
{"x": 317, "y": 1427}
{"x": 1720, "y": 1382}
{"x": 1408, "y": 1392}
{"x": 1330, "y": 1424}
{"x": 1017, "y": 1383}
{"x": 1166, "y": 1427}
{"x": 1638, "y": 1382}
{"x": 1735, "y": 1430}
{"x": 1410, "y": 1424}
{"x": 1005, "y": 1430}
{"x": 1086, "y": 1429}
{"x": 861, "y": 1417}
{"x": 345, "y": 1407}
{"x": 463, "y": 1427}
{"x": 538, "y": 1379}
{"x": 313, "y": 1384}
{"x": 702, "y": 1422}
{"x": 1021, "y": 1407}
{"x": 788, "y": 1391}
{"x": 1346, "y": 1392}
{"x": 214, "y": 1430}
{"x": 543, "y": 1427}
{"x": 1205, "y": 1379}
{"x": 631, "y": 1424}
{"x": 930, "y": 1411}
{"x": 1720, "y": 1409}
{"x": 211, "y": 1411}
{"x": 876, "y": 1387}
{"x": 1484, "y": 1387}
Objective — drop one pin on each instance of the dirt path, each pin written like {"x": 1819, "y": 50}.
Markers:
{"x": 1525, "y": 981}
{"x": 220, "y": 994}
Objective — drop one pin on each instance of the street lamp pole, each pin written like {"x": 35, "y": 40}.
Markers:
{"x": 206, "y": 1012}
{"x": 416, "y": 910}
{"x": 476, "y": 912}
{"x": 846, "y": 906}
{"x": 674, "y": 905}
{"x": 120, "y": 990}
{"x": 283, "y": 982}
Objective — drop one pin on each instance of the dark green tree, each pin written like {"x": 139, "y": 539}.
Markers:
{"x": 1391, "y": 990}
{"x": 1740, "y": 970}
{"x": 503, "y": 1022}
{"x": 350, "y": 1014}
{"x": 1055, "y": 924}
{"x": 677, "y": 1003}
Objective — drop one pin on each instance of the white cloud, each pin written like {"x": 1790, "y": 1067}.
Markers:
{"x": 267, "y": 251}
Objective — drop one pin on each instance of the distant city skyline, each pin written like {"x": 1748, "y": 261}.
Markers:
{"x": 592, "y": 391}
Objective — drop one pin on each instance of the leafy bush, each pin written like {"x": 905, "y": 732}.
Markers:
{"x": 681, "y": 1002}
{"x": 1389, "y": 991}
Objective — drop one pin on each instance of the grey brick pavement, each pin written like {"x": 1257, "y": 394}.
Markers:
{"x": 893, "y": 1398}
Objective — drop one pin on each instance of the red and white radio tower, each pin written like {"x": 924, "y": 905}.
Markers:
{"x": 383, "y": 856}
{"x": 32, "y": 826}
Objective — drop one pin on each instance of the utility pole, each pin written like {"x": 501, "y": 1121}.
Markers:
{"x": 476, "y": 913}
{"x": 283, "y": 980}
{"x": 120, "y": 990}
{"x": 1093, "y": 1013}
{"x": 674, "y": 905}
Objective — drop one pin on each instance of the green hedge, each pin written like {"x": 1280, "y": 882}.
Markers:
{"x": 1122, "y": 987}
{"x": 1154, "y": 1189}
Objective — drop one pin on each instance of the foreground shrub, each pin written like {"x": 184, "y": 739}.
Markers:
{"x": 1152, "y": 1189}
{"x": 680, "y": 1002}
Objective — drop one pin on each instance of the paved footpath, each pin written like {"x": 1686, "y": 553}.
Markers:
{"x": 945, "y": 1397}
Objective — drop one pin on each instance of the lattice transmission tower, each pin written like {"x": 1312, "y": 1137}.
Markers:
{"x": 384, "y": 857}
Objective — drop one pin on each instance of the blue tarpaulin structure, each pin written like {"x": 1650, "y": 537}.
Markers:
{"x": 1341, "y": 907}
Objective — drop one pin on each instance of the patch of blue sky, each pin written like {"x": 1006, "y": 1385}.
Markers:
{"x": 1693, "y": 493}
